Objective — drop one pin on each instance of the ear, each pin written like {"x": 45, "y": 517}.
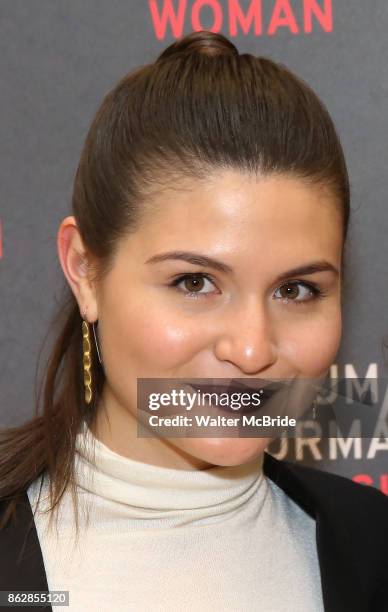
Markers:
{"x": 74, "y": 261}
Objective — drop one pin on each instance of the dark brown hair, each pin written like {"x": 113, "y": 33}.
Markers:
{"x": 200, "y": 107}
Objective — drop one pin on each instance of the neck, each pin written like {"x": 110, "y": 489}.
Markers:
{"x": 150, "y": 496}
{"x": 116, "y": 427}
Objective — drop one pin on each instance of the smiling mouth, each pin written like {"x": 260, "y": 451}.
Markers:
{"x": 265, "y": 392}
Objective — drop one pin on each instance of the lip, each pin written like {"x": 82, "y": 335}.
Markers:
{"x": 268, "y": 391}
{"x": 270, "y": 385}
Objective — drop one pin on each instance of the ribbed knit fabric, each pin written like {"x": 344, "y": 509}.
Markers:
{"x": 159, "y": 539}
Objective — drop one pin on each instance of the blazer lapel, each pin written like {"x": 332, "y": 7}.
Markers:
{"x": 21, "y": 561}
{"x": 341, "y": 574}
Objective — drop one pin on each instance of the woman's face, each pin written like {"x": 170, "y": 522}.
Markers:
{"x": 238, "y": 323}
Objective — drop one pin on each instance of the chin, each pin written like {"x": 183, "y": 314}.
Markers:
{"x": 226, "y": 451}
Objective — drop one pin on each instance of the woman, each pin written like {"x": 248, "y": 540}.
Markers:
{"x": 210, "y": 212}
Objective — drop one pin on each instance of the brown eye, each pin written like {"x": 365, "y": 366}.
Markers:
{"x": 289, "y": 291}
{"x": 194, "y": 283}
{"x": 299, "y": 292}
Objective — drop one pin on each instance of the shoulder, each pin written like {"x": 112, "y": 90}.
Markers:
{"x": 21, "y": 561}
{"x": 351, "y": 532}
{"x": 344, "y": 487}
{"x": 15, "y": 512}
{"x": 351, "y": 527}
{"x": 334, "y": 495}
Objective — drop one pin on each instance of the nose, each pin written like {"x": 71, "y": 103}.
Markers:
{"x": 246, "y": 339}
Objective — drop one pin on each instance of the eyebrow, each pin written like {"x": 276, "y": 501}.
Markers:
{"x": 202, "y": 260}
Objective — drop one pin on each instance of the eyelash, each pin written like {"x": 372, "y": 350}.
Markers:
{"x": 317, "y": 293}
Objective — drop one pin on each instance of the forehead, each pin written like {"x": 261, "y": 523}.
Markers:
{"x": 243, "y": 211}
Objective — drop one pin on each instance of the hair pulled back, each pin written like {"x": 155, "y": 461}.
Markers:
{"x": 199, "y": 108}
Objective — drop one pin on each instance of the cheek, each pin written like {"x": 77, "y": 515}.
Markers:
{"x": 312, "y": 348}
{"x": 153, "y": 339}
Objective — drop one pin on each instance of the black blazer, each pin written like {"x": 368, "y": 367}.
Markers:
{"x": 351, "y": 535}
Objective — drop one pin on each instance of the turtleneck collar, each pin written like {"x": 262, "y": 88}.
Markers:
{"x": 140, "y": 490}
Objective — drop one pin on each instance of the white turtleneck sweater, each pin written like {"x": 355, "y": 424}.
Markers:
{"x": 225, "y": 539}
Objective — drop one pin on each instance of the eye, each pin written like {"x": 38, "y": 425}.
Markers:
{"x": 291, "y": 292}
{"x": 194, "y": 283}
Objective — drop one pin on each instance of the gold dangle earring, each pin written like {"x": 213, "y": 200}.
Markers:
{"x": 87, "y": 360}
